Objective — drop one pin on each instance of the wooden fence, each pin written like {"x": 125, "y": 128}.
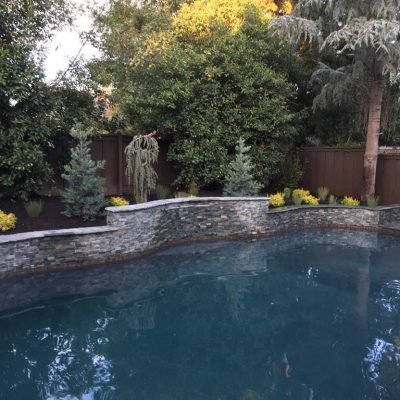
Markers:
{"x": 341, "y": 170}
{"x": 111, "y": 149}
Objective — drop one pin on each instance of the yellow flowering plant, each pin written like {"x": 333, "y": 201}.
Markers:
{"x": 350, "y": 201}
{"x": 305, "y": 196}
{"x": 7, "y": 221}
{"x": 117, "y": 202}
{"x": 277, "y": 200}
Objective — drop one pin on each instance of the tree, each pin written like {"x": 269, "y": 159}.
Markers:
{"x": 85, "y": 194}
{"x": 239, "y": 180}
{"x": 365, "y": 35}
{"x": 202, "y": 92}
{"x": 141, "y": 154}
{"x": 25, "y": 100}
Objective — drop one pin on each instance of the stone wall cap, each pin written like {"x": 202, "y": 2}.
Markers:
{"x": 160, "y": 203}
{"x": 305, "y": 206}
{"x": 17, "y": 237}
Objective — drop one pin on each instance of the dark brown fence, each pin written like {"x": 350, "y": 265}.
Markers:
{"x": 111, "y": 149}
{"x": 341, "y": 170}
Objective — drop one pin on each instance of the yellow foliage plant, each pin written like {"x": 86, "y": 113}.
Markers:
{"x": 350, "y": 201}
{"x": 117, "y": 202}
{"x": 306, "y": 197}
{"x": 198, "y": 18}
{"x": 7, "y": 221}
{"x": 277, "y": 200}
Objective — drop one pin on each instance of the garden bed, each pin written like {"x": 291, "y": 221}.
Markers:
{"x": 50, "y": 218}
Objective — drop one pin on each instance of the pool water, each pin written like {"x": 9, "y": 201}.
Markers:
{"x": 310, "y": 315}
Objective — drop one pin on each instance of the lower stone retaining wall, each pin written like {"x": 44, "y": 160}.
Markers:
{"x": 137, "y": 229}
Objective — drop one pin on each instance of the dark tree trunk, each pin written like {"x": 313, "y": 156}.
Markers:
{"x": 373, "y": 130}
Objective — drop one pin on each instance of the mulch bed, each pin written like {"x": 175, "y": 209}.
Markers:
{"x": 50, "y": 218}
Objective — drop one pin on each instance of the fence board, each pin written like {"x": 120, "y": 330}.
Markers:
{"x": 111, "y": 148}
{"x": 341, "y": 170}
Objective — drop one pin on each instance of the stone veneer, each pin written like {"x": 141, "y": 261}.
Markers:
{"x": 137, "y": 229}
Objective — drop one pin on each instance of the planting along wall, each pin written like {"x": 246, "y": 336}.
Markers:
{"x": 137, "y": 229}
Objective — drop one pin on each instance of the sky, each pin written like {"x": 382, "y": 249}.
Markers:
{"x": 66, "y": 43}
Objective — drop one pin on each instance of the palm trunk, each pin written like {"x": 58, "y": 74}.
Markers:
{"x": 373, "y": 130}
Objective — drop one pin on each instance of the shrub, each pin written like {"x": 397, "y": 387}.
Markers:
{"x": 287, "y": 192}
{"x": 85, "y": 194}
{"x": 332, "y": 200}
{"x": 297, "y": 200}
{"x": 291, "y": 171}
{"x": 349, "y": 201}
{"x": 323, "y": 193}
{"x": 300, "y": 192}
{"x": 34, "y": 208}
{"x": 302, "y": 196}
{"x": 310, "y": 200}
{"x": 277, "y": 200}
{"x": 181, "y": 195}
{"x": 7, "y": 221}
{"x": 372, "y": 201}
{"x": 117, "y": 201}
{"x": 239, "y": 180}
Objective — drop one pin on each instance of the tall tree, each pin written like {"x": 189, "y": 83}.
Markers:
{"x": 24, "y": 98}
{"x": 194, "y": 76}
{"x": 364, "y": 34}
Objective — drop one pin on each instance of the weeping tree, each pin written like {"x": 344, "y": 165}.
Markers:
{"x": 141, "y": 154}
{"x": 364, "y": 34}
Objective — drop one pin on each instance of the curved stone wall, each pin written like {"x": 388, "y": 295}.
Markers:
{"x": 137, "y": 229}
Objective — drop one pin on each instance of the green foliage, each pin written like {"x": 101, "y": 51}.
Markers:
{"x": 34, "y": 208}
{"x": 25, "y": 101}
{"x": 352, "y": 36}
{"x": 332, "y": 200}
{"x": 239, "y": 180}
{"x": 350, "y": 201}
{"x": 372, "y": 201}
{"x": 322, "y": 193}
{"x": 297, "y": 200}
{"x": 117, "y": 201}
{"x": 287, "y": 192}
{"x": 304, "y": 197}
{"x": 141, "y": 154}
{"x": 277, "y": 200}
{"x": 7, "y": 221}
{"x": 85, "y": 194}
{"x": 200, "y": 94}
{"x": 291, "y": 171}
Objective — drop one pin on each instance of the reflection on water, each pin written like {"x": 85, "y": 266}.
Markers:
{"x": 311, "y": 315}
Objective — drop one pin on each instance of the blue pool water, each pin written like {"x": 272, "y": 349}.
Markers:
{"x": 310, "y": 315}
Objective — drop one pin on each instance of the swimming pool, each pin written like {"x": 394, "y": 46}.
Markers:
{"x": 307, "y": 315}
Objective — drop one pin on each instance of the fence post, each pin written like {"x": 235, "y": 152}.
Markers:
{"x": 120, "y": 154}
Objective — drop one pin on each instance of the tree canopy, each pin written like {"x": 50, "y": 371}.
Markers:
{"x": 364, "y": 36}
{"x": 202, "y": 89}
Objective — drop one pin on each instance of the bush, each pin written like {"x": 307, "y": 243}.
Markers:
{"x": 117, "y": 202}
{"x": 332, "y": 200}
{"x": 277, "y": 200}
{"x": 239, "y": 180}
{"x": 349, "y": 201}
{"x": 7, "y": 221}
{"x": 34, "y": 208}
{"x": 85, "y": 194}
{"x": 287, "y": 192}
{"x": 302, "y": 196}
{"x": 372, "y": 201}
{"x": 297, "y": 200}
{"x": 323, "y": 193}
